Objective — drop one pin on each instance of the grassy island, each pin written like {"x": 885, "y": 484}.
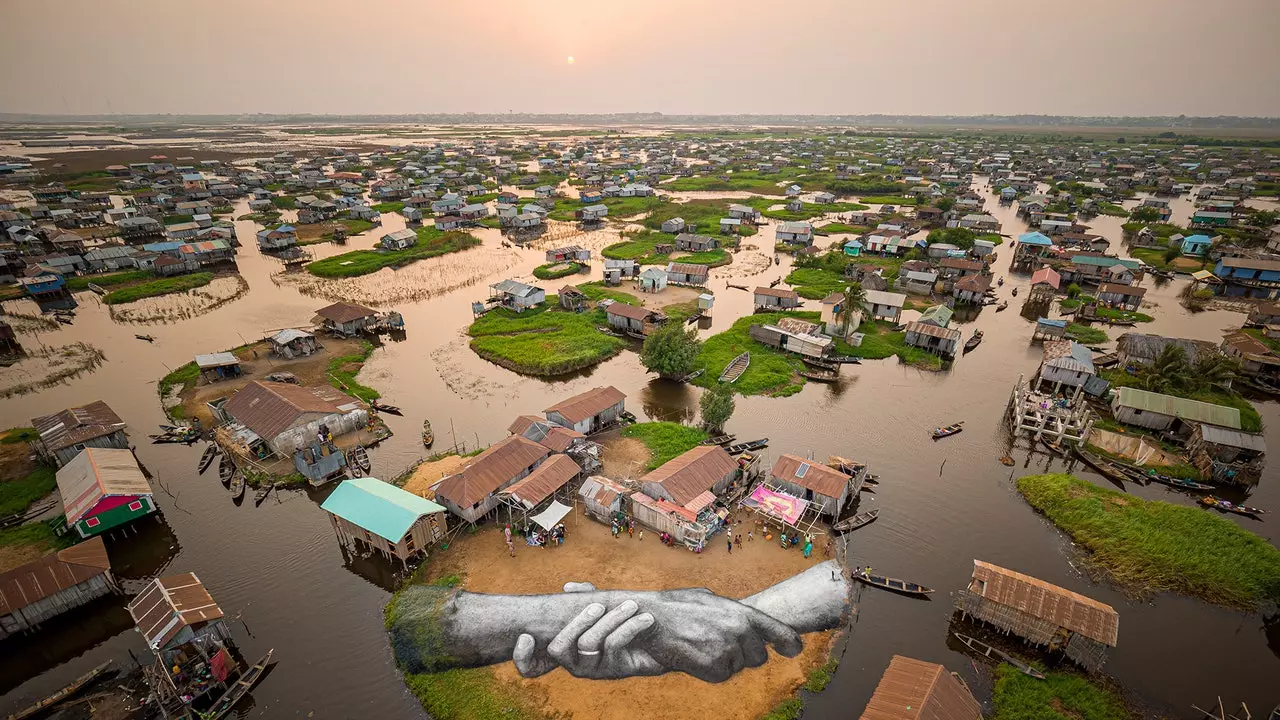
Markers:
{"x": 1157, "y": 546}
{"x": 552, "y": 271}
{"x": 1060, "y": 696}
{"x": 158, "y": 287}
{"x": 545, "y": 340}
{"x": 431, "y": 243}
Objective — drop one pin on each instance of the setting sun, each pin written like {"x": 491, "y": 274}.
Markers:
{"x": 570, "y": 59}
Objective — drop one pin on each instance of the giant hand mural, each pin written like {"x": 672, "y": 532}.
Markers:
{"x": 615, "y": 633}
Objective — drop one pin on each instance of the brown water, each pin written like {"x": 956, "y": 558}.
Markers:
{"x": 278, "y": 570}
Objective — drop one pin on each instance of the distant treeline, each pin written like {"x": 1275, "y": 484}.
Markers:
{"x": 1180, "y": 122}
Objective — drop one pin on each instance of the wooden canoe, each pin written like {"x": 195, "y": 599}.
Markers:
{"x": 361, "y": 458}
{"x": 973, "y": 341}
{"x": 237, "y": 485}
{"x": 62, "y": 694}
{"x": 819, "y": 375}
{"x": 857, "y": 521}
{"x": 892, "y": 584}
{"x": 226, "y": 468}
{"x": 747, "y": 446}
{"x": 719, "y": 440}
{"x": 735, "y": 368}
{"x": 948, "y": 431}
{"x": 388, "y": 409}
{"x": 1105, "y": 467}
{"x": 260, "y": 496}
{"x": 250, "y": 677}
{"x": 207, "y": 458}
{"x": 428, "y": 436}
{"x": 988, "y": 651}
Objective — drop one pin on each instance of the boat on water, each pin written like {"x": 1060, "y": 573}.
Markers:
{"x": 361, "y": 457}
{"x": 749, "y": 446}
{"x": 821, "y": 363}
{"x": 250, "y": 677}
{"x": 1105, "y": 467}
{"x": 1179, "y": 483}
{"x": 237, "y": 485}
{"x": 97, "y": 288}
{"x": 974, "y": 340}
{"x": 260, "y": 496}
{"x": 819, "y": 374}
{"x": 891, "y": 584}
{"x": 66, "y": 692}
{"x": 1000, "y": 281}
{"x": 1014, "y": 292}
{"x": 1052, "y": 445}
{"x": 1227, "y": 506}
{"x": 857, "y": 521}
{"x": 948, "y": 431}
{"x": 735, "y": 368}
{"x": 719, "y": 440}
{"x": 988, "y": 651}
{"x": 691, "y": 376}
{"x": 188, "y": 436}
{"x": 148, "y": 338}
{"x": 207, "y": 458}
{"x": 1003, "y": 304}
{"x": 226, "y": 468}
{"x": 428, "y": 436}
{"x": 388, "y": 409}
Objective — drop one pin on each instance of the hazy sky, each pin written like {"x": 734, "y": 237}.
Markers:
{"x": 1076, "y": 57}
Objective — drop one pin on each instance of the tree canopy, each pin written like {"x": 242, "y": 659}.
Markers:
{"x": 717, "y": 407}
{"x": 670, "y": 350}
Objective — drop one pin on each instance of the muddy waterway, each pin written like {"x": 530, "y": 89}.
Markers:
{"x": 278, "y": 570}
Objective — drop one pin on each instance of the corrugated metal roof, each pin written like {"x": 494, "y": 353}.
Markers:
{"x": 1046, "y": 601}
{"x": 881, "y": 297}
{"x": 689, "y": 475}
{"x": 1194, "y": 410}
{"x": 818, "y": 477}
{"x": 490, "y": 470}
{"x": 381, "y": 508}
{"x": 97, "y": 473}
{"x": 269, "y": 408}
{"x": 589, "y": 403}
{"x": 932, "y": 331}
{"x": 541, "y": 483}
{"x": 51, "y": 574}
{"x": 912, "y": 689}
{"x": 169, "y": 604}
{"x": 631, "y": 312}
{"x": 214, "y": 360}
{"x": 1233, "y": 438}
{"x": 76, "y": 425}
{"x": 777, "y": 292}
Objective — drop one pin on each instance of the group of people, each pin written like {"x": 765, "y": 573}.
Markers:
{"x": 794, "y": 540}
{"x": 534, "y": 537}
{"x": 628, "y": 524}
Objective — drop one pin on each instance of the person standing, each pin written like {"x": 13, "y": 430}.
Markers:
{"x": 737, "y": 539}
{"x": 641, "y": 537}
{"x": 750, "y": 537}
{"x": 729, "y": 543}
{"x": 808, "y": 547}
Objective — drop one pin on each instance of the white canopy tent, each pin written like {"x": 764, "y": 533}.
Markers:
{"x": 550, "y": 517}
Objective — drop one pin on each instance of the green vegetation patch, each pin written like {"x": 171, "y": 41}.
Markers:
{"x": 1086, "y": 335}
{"x": 888, "y": 200}
{"x": 545, "y": 340}
{"x": 665, "y": 440}
{"x": 816, "y": 283}
{"x": 1157, "y": 546}
{"x": 389, "y": 207}
{"x": 285, "y": 202}
{"x": 38, "y": 535}
{"x": 472, "y": 694}
{"x": 880, "y": 341}
{"x": 343, "y": 371}
{"x": 18, "y": 494}
{"x": 837, "y": 228}
{"x": 431, "y": 243}
{"x": 1060, "y": 696}
{"x": 552, "y": 271}
{"x": 1106, "y": 208}
{"x": 158, "y": 287}
{"x": 738, "y": 181}
{"x": 107, "y": 280}
{"x": 772, "y": 371}
{"x": 643, "y": 248}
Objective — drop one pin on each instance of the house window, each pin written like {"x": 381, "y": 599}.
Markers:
{"x": 135, "y": 506}
{"x": 92, "y": 522}
{"x": 408, "y": 542}
{"x": 1137, "y": 412}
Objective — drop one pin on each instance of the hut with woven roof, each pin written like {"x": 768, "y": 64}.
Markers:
{"x": 1041, "y": 613}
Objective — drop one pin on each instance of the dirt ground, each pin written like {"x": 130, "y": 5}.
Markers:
{"x": 672, "y": 295}
{"x": 591, "y": 554}
{"x": 15, "y": 460}
{"x": 625, "y": 457}
{"x": 258, "y": 362}
{"x": 428, "y": 473}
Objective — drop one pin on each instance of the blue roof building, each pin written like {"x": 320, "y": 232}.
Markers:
{"x": 1196, "y": 245}
{"x": 853, "y": 248}
{"x": 385, "y": 518}
{"x": 1035, "y": 238}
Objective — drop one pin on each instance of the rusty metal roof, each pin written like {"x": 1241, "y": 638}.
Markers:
{"x": 592, "y": 402}
{"x": 270, "y": 408}
{"x": 689, "y": 475}
{"x": 490, "y": 470}
{"x": 543, "y": 482}
{"x": 633, "y": 312}
{"x": 97, "y": 473}
{"x": 777, "y": 292}
{"x": 342, "y": 312}
{"x": 169, "y": 604}
{"x": 913, "y": 689}
{"x": 815, "y": 476}
{"x": 51, "y": 574}
{"x": 76, "y": 425}
{"x": 1046, "y": 601}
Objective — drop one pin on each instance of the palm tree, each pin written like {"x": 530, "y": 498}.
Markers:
{"x": 1169, "y": 371}
{"x": 851, "y": 305}
{"x": 1215, "y": 372}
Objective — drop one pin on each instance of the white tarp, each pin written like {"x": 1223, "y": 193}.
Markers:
{"x": 552, "y": 515}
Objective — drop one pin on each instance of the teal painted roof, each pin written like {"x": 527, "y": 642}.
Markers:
{"x": 1105, "y": 261}
{"x": 1221, "y": 415}
{"x": 381, "y": 508}
{"x": 1035, "y": 238}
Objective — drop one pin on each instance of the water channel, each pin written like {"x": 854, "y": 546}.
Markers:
{"x": 278, "y": 571}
